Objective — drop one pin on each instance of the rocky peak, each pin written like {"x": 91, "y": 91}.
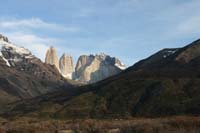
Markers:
{"x": 3, "y": 38}
{"x": 89, "y": 68}
{"x": 66, "y": 65}
{"x": 110, "y": 60}
{"x": 101, "y": 56}
{"x": 95, "y": 68}
{"x": 84, "y": 61}
{"x": 12, "y": 54}
{"x": 52, "y": 57}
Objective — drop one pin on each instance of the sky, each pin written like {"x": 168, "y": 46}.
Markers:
{"x": 130, "y": 30}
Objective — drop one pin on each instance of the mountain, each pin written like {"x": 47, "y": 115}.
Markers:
{"x": 96, "y": 68}
{"x": 66, "y": 65}
{"x": 165, "y": 84}
{"x": 83, "y": 61}
{"x": 89, "y": 69}
{"x": 172, "y": 62}
{"x": 24, "y": 76}
{"x": 52, "y": 57}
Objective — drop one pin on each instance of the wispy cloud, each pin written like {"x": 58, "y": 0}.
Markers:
{"x": 122, "y": 28}
{"x": 29, "y": 33}
{"x": 34, "y": 23}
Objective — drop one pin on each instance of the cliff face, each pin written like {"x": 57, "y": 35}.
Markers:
{"x": 66, "y": 65}
{"x": 80, "y": 71}
{"x": 92, "y": 68}
{"x": 89, "y": 69}
{"x": 52, "y": 57}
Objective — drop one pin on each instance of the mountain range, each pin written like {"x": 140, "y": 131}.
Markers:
{"x": 24, "y": 76}
{"x": 165, "y": 84}
{"x": 88, "y": 69}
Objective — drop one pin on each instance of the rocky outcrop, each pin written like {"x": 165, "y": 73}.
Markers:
{"x": 89, "y": 69}
{"x": 81, "y": 66}
{"x": 66, "y": 65}
{"x": 52, "y": 57}
{"x": 92, "y": 68}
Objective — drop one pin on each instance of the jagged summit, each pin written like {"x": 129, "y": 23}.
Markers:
{"x": 89, "y": 68}
{"x": 97, "y": 67}
{"x": 111, "y": 60}
{"x": 66, "y": 65}
{"x": 52, "y": 57}
{"x": 11, "y": 53}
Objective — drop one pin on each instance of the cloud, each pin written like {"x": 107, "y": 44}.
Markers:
{"x": 34, "y": 23}
{"x": 32, "y": 33}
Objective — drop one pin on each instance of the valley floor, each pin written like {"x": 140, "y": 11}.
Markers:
{"x": 179, "y": 124}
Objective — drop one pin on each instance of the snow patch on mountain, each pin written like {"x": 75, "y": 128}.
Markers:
{"x": 120, "y": 66}
{"x": 13, "y": 53}
{"x": 169, "y": 52}
{"x": 7, "y": 63}
{"x": 14, "y": 48}
{"x": 68, "y": 76}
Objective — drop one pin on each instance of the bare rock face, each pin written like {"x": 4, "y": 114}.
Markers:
{"x": 83, "y": 62}
{"x": 89, "y": 69}
{"x": 52, "y": 57}
{"x": 92, "y": 68}
{"x": 66, "y": 65}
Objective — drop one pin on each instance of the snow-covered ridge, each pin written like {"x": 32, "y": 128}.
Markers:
{"x": 20, "y": 50}
{"x": 12, "y": 53}
{"x": 117, "y": 62}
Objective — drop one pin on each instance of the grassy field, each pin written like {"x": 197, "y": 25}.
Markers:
{"x": 181, "y": 124}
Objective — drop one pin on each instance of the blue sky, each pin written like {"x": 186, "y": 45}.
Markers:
{"x": 128, "y": 29}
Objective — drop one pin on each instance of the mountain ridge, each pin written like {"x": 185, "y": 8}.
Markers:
{"x": 88, "y": 69}
{"x": 166, "y": 88}
{"x": 23, "y": 76}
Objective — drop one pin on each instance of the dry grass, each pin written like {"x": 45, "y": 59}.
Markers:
{"x": 180, "y": 124}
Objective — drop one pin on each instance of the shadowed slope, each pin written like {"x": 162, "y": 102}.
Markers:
{"x": 160, "y": 85}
